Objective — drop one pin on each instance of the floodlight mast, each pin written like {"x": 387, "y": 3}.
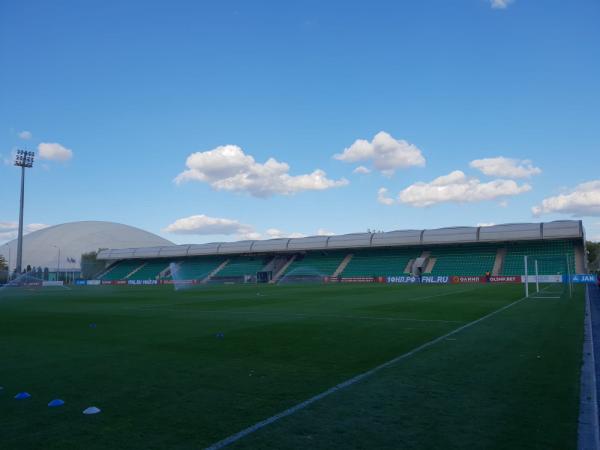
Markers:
{"x": 24, "y": 160}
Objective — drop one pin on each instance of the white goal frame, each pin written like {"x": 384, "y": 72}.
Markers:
{"x": 568, "y": 280}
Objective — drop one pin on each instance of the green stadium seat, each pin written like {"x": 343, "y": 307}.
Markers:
{"x": 380, "y": 262}
{"x": 197, "y": 268}
{"x": 321, "y": 263}
{"x": 243, "y": 265}
{"x": 465, "y": 260}
{"x": 121, "y": 269}
{"x": 150, "y": 270}
{"x": 552, "y": 254}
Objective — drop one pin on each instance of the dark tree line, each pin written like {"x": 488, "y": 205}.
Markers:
{"x": 593, "y": 256}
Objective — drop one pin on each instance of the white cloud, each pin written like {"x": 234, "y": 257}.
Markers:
{"x": 205, "y": 225}
{"x": 54, "y": 152}
{"x": 25, "y": 135}
{"x": 500, "y": 4}
{"x": 383, "y": 197}
{"x": 274, "y": 233}
{"x": 9, "y": 230}
{"x": 486, "y": 224}
{"x": 323, "y": 232}
{"x": 584, "y": 200}
{"x": 458, "y": 188}
{"x": 35, "y": 227}
{"x": 9, "y": 159}
{"x": 362, "y": 170}
{"x": 228, "y": 168}
{"x": 506, "y": 167}
{"x": 249, "y": 236}
{"x": 386, "y": 153}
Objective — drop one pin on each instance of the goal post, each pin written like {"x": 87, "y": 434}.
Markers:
{"x": 548, "y": 276}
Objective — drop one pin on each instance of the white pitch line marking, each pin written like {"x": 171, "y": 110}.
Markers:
{"x": 288, "y": 412}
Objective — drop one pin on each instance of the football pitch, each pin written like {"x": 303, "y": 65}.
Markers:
{"x": 482, "y": 368}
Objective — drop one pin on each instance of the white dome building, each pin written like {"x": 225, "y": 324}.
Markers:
{"x": 41, "y": 248}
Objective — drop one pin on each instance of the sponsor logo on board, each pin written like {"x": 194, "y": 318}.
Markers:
{"x": 466, "y": 279}
{"x": 425, "y": 279}
{"x": 583, "y": 278}
{"x": 142, "y": 282}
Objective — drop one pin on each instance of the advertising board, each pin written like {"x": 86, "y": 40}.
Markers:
{"x": 425, "y": 279}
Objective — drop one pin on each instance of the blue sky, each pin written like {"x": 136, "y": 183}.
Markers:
{"x": 132, "y": 89}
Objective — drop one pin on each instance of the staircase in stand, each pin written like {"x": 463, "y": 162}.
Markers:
{"x": 342, "y": 265}
{"x": 281, "y": 271}
{"x": 135, "y": 270}
{"x": 499, "y": 261}
{"x": 216, "y": 271}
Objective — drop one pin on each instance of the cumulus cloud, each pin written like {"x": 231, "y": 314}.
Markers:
{"x": 500, "y": 4}
{"x": 324, "y": 232}
{"x": 458, "y": 188}
{"x": 386, "y": 153}
{"x": 205, "y": 225}
{"x": 9, "y": 230}
{"x": 25, "y": 135}
{"x": 274, "y": 233}
{"x": 383, "y": 197}
{"x": 228, "y": 168}
{"x": 584, "y": 200}
{"x": 506, "y": 167}
{"x": 362, "y": 170}
{"x": 54, "y": 152}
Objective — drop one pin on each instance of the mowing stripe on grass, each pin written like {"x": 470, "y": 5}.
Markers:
{"x": 316, "y": 316}
{"x": 288, "y": 412}
{"x": 197, "y": 302}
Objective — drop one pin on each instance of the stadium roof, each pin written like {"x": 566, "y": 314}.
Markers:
{"x": 40, "y": 248}
{"x": 563, "y": 229}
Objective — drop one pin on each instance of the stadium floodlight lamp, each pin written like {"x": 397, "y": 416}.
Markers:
{"x": 24, "y": 159}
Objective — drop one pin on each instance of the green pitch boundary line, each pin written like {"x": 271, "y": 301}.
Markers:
{"x": 343, "y": 385}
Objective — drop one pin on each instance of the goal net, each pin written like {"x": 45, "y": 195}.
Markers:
{"x": 548, "y": 276}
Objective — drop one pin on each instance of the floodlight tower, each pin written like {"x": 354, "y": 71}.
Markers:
{"x": 24, "y": 160}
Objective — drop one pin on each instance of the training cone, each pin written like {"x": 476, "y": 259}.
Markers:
{"x": 91, "y": 410}
{"x": 22, "y": 395}
{"x": 56, "y": 402}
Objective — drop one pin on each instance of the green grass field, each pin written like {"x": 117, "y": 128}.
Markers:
{"x": 163, "y": 380}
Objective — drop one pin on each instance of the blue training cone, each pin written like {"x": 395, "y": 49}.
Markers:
{"x": 56, "y": 402}
{"x": 22, "y": 395}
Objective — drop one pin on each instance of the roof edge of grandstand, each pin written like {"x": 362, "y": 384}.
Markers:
{"x": 560, "y": 229}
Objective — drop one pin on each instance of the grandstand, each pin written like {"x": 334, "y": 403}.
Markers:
{"x": 468, "y": 251}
